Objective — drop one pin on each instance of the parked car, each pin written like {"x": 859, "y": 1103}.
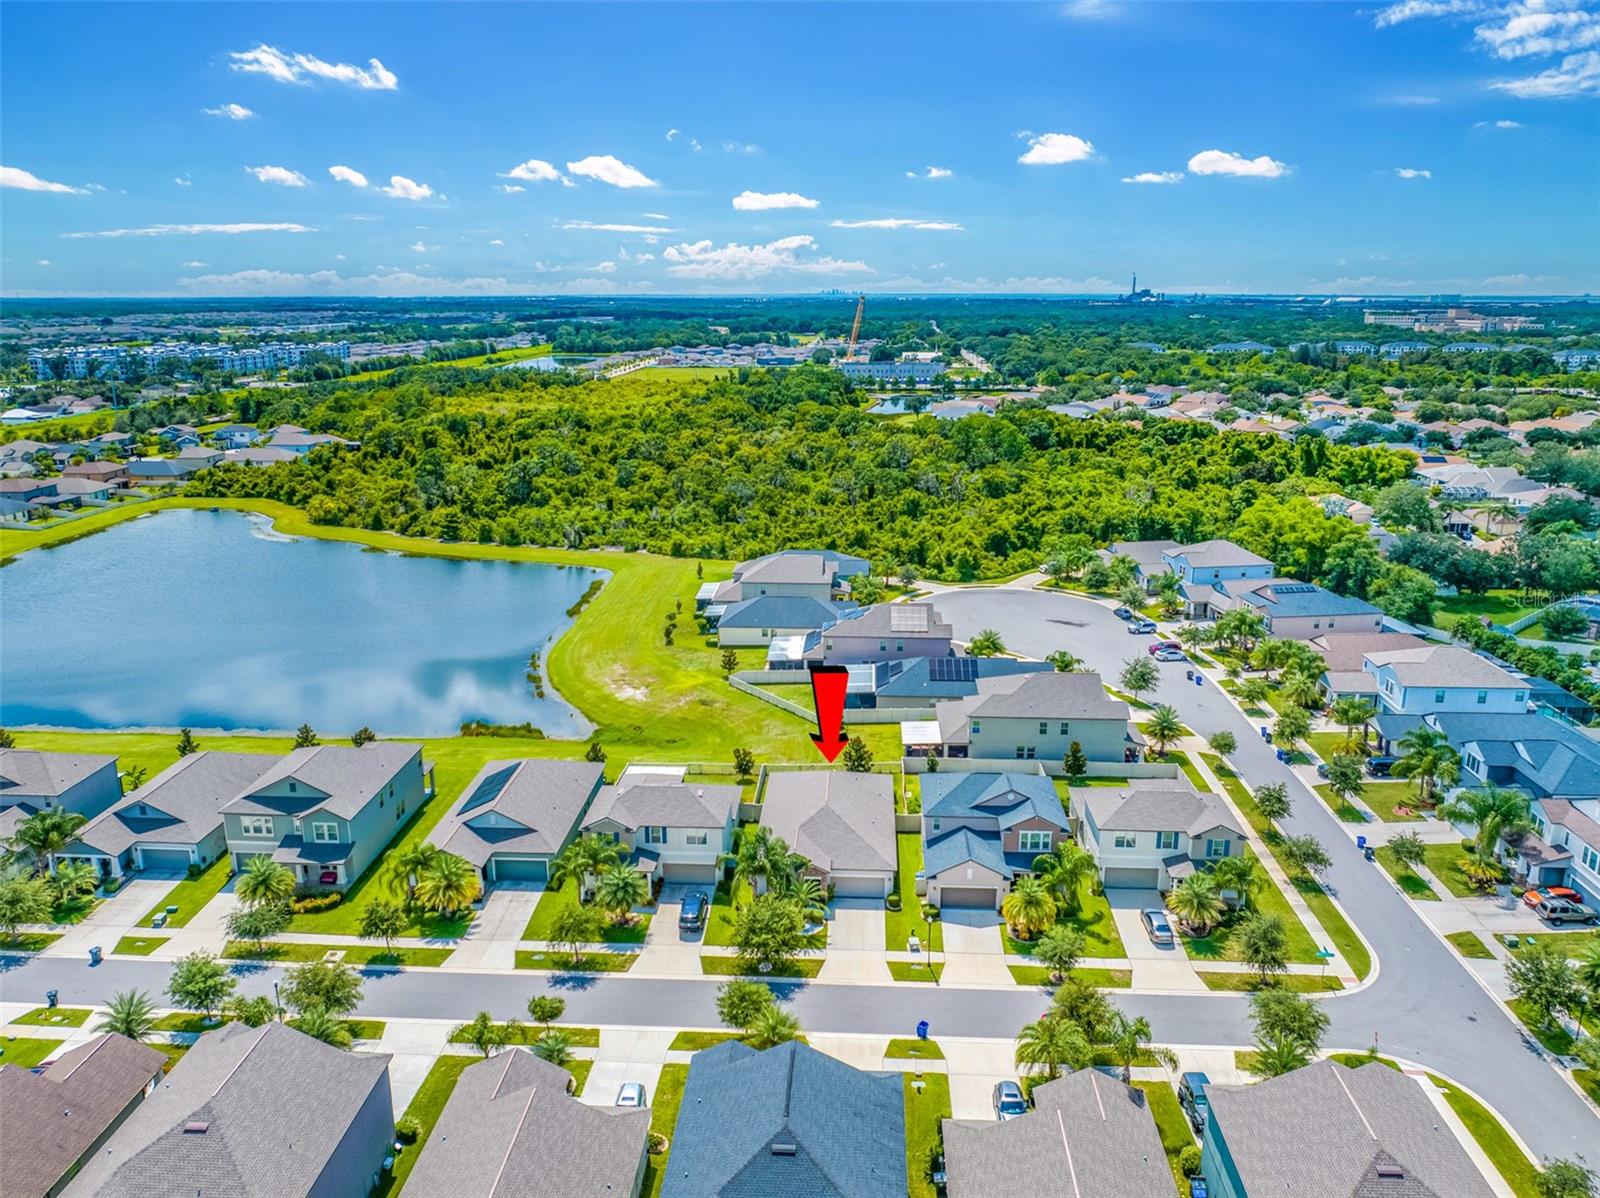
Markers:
{"x": 1559, "y": 911}
{"x": 631, "y": 1094}
{"x": 1192, "y": 1094}
{"x": 1122, "y": 613}
{"x": 1160, "y": 645}
{"x": 692, "y": 914}
{"x": 1170, "y": 655}
{"x": 1322, "y": 769}
{"x": 1008, "y": 1101}
{"x": 1157, "y": 926}
{"x": 1534, "y": 897}
{"x": 1379, "y": 767}
{"x": 1142, "y": 627}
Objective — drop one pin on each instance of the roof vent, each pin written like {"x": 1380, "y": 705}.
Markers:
{"x": 784, "y": 1148}
{"x": 1394, "y": 1171}
{"x": 196, "y": 1127}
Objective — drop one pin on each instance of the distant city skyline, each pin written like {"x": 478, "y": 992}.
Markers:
{"x": 1414, "y": 148}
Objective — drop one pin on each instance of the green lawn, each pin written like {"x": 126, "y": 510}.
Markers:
{"x": 1300, "y": 983}
{"x": 527, "y": 1033}
{"x": 173, "y": 1053}
{"x": 356, "y": 955}
{"x": 926, "y": 1108}
{"x": 1575, "y": 942}
{"x": 1387, "y": 799}
{"x": 586, "y": 963}
{"x": 1220, "y": 945}
{"x": 695, "y": 1041}
{"x": 1589, "y": 1082}
{"x": 1104, "y": 979}
{"x": 580, "y": 1074}
{"x": 1470, "y": 945}
{"x": 55, "y": 1017}
{"x": 663, "y": 1121}
{"x": 366, "y": 1029}
{"x": 801, "y": 967}
{"x": 191, "y": 894}
{"x": 1554, "y": 1037}
{"x": 1501, "y": 606}
{"x": 899, "y": 926}
{"x": 73, "y": 910}
{"x": 1354, "y": 1060}
{"x": 425, "y": 1109}
{"x": 28, "y": 942}
{"x": 183, "y": 1021}
{"x": 139, "y": 946}
{"x": 26, "y": 1051}
{"x": 1444, "y": 862}
{"x": 1171, "y": 1122}
{"x": 1348, "y": 812}
{"x": 1519, "y": 1172}
{"x": 1100, "y": 935}
{"x": 719, "y": 921}
{"x": 1327, "y": 745}
{"x": 553, "y": 902}
{"x": 923, "y": 1050}
{"x": 1414, "y": 885}
{"x": 917, "y": 971}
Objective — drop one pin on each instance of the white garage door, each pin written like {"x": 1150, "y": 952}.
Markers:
{"x": 967, "y": 896}
{"x": 683, "y": 871}
{"x": 860, "y": 885}
{"x": 1143, "y": 879}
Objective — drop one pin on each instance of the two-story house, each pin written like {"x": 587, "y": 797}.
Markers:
{"x": 1149, "y": 558}
{"x": 1200, "y": 567}
{"x": 788, "y": 593}
{"x": 1298, "y": 611}
{"x": 515, "y": 817}
{"x": 1153, "y": 831}
{"x": 30, "y": 781}
{"x": 867, "y": 635}
{"x": 980, "y": 831}
{"x": 1028, "y": 717}
{"x": 674, "y": 831}
{"x": 1443, "y": 678}
{"x": 328, "y": 812}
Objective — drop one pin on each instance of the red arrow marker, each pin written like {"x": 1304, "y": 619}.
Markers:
{"x": 828, "y": 685}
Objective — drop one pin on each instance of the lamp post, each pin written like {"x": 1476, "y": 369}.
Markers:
{"x": 931, "y": 969}
{"x": 277, "y": 1003}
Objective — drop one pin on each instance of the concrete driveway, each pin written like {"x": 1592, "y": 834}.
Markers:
{"x": 626, "y": 1055}
{"x": 1155, "y": 966}
{"x": 974, "y": 1067}
{"x": 491, "y": 939}
{"x": 855, "y": 942}
{"x": 667, "y": 950}
{"x": 118, "y": 915}
{"x": 973, "y": 952}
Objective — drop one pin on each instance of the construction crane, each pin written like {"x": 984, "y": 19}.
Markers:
{"x": 855, "y": 329}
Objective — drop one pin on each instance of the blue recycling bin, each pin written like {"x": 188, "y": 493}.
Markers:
{"x": 1282, "y": 756}
{"x": 94, "y": 955}
{"x": 922, "y": 1029}
{"x": 1265, "y": 733}
{"x": 1361, "y": 842}
{"x": 1199, "y": 681}
{"x": 51, "y": 997}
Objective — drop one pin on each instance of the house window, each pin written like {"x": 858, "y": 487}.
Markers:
{"x": 294, "y": 787}
{"x": 976, "y": 727}
{"x": 1483, "y": 696}
{"x": 694, "y": 838}
{"x": 936, "y": 824}
{"x": 255, "y": 825}
{"x": 1125, "y": 840}
{"x": 1218, "y": 848}
{"x": 1166, "y": 840}
{"x": 1033, "y": 842}
{"x": 325, "y": 833}
{"x": 1024, "y": 752}
{"x": 1438, "y": 696}
{"x": 899, "y": 646}
{"x": 1064, "y": 727}
{"x": 883, "y": 646}
{"x": 1591, "y": 860}
{"x": 1044, "y": 727}
{"x": 1520, "y": 697}
{"x": 655, "y": 834}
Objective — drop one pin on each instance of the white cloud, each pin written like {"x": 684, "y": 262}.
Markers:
{"x": 535, "y": 170}
{"x": 900, "y": 222}
{"x": 1411, "y": 172}
{"x": 603, "y": 268}
{"x": 281, "y": 175}
{"x": 44, "y": 262}
{"x": 496, "y": 241}
{"x": 347, "y": 174}
{"x": 611, "y": 228}
{"x": 932, "y": 172}
{"x": 194, "y": 265}
{"x": 1500, "y": 124}
{"x": 1410, "y": 10}
{"x": 230, "y": 111}
{"x": 1088, "y": 10}
{"x": 1223, "y": 162}
{"x": 645, "y": 257}
{"x": 1154, "y": 177}
{"x": 1410, "y": 100}
{"x": 189, "y": 230}
{"x": 1053, "y": 149}
{"x": 417, "y": 247}
{"x": 1535, "y": 28}
{"x": 509, "y": 189}
{"x": 758, "y": 201}
{"x": 702, "y": 260}
{"x": 680, "y": 135}
{"x": 15, "y": 176}
{"x": 1578, "y": 75}
{"x": 183, "y": 181}
{"x": 612, "y": 170}
{"x": 655, "y": 215}
{"x": 300, "y": 68}
{"x": 740, "y": 147}
{"x": 402, "y": 188}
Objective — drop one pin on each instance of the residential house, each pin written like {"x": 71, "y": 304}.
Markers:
{"x": 882, "y": 632}
{"x": 79, "y": 491}
{"x": 920, "y": 682}
{"x": 515, "y": 817}
{"x": 1439, "y": 678}
{"x": 162, "y": 472}
{"x": 115, "y": 442}
{"x": 1298, "y": 611}
{"x": 259, "y": 455}
{"x": 766, "y": 618}
{"x": 1566, "y": 848}
{"x": 30, "y": 781}
{"x": 1087, "y": 1135}
{"x": 114, "y": 473}
{"x": 790, "y": 1120}
{"x": 513, "y": 1129}
{"x": 1201, "y": 568}
{"x": 178, "y": 436}
{"x": 204, "y": 454}
{"x": 253, "y": 1112}
{"x": 675, "y": 831}
{"x": 39, "y": 496}
{"x": 328, "y": 811}
{"x": 23, "y": 449}
{"x": 1351, "y": 509}
{"x": 1241, "y": 347}
{"x": 236, "y": 436}
{"x": 174, "y": 820}
{"x": 1343, "y": 659}
{"x": 842, "y": 823}
{"x": 1330, "y": 1131}
{"x": 1036, "y": 717}
{"x": 1150, "y": 558}
{"x": 1152, "y": 832}
{"x": 980, "y": 831}
{"x": 819, "y": 574}
{"x": 52, "y": 1119}
{"x": 301, "y": 442}
{"x": 1465, "y": 481}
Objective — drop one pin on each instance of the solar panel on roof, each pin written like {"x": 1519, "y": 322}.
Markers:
{"x": 952, "y": 669}
{"x": 490, "y": 789}
{"x": 904, "y": 618}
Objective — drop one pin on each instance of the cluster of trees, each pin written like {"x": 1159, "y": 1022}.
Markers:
{"x": 1566, "y": 670}
{"x": 1052, "y": 893}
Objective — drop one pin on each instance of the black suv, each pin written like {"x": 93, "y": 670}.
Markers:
{"x": 692, "y": 915}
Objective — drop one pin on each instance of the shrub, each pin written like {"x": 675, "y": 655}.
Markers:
{"x": 1189, "y": 1160}
{"x": 891, "y": 901}
{"x": 306, "y": 904}
{"x": 194, "y": 871}
{"x": 658, "y": 1143}
{"x": 406, "y": 1130}
{"x": 929, "y": 911}
{"x": 111, "y": 885}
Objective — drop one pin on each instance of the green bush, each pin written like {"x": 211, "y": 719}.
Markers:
{"x": 111, "y": 885}
{"x": 194, "y": 871}
{"x": 1189, "y": 1160}
{"x": 306, "y": 904}
{"x": 929, "y": 911}
{"x": 892, "y": 901}
{"x": 406, "y": 1130}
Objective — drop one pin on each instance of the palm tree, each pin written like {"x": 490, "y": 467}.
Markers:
{"x": 448, "y": 885}
{"x": 555, "y": 1047}
{"x": 76, "y": 878}
{"x": 1352, "y": 712}
{"x": 1254, "y": 692}
{"x": 1170, "y": 591}
{"x": 583, "y": 861}
{"x": 1028, "y": 909}
{"x": 1064, "y": 870}
{"x": 621, "y": 889}
{"x": 1426, "y": 755}
{"x": 1130, "y": 1037}
{"x": 44, "y": 833}
{"x": 1164, "y": 728}
{"x": 407, "y": 864}
{"x": 1196, "y": 902}
{"x": 986, "y": 644}
{"x": 752, "y": 859}
{"x": 130, "y": 1013}
{"x": 773, "y": 1025}
{"x": 315, "y": 1022}
{"x": 484, "y": 1034}
{"x": 1302, "y": 690}
{"x": 264, "y": 881}
{"x": 1496, "y": 813}
{"x": 812, "y": 899}
{"x": 1239, "y": 874}
{"x": 1051, "y": 1042}
{"x": 1588, "y": 967}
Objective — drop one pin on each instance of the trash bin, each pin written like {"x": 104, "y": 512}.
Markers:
{"x": 1199, "y": 680}
{"x": 51, "y": 997}
{"x": 1361, "y": 842}
{"x": 1265, "y": 734}
{"x": 1282, "y": 756}
{"x": 922, "y": 1029}
{"x": 94, "y": 955}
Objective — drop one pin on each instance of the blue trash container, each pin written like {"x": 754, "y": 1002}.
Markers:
{"x": 1361, "y": 842}
{"x": 922, "y": 1029}
{"x": 1282, "y": 755}
{"x": 1265, "y": 734}
{"x": 51, "y": 997}
{"x": 94, "y": 955}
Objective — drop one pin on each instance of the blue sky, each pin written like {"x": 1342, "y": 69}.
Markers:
{"x": 1425, "y": 145}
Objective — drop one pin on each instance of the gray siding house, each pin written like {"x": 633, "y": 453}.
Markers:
{"x": 677, "y": 832}
{"x": 1028, "y": 717}
{"x": 882, "y": 632}
{"x": 83, "y": 783}
{"x": 1154, "y": 831}
{"x": 327, "y": 812}
{"x": 842, "y": 823}
{"x": 515, "y": 816}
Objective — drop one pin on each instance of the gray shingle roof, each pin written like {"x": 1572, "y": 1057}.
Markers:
{"x": 510, "y": 1130}
{"x": 780, "y": 611}
{"x": 1323, "y": 1131}
{"x": 789, "y": 1122}
{"x": 893, "y": 620}
{"x": 275, "y": 1103}
{"x": 1146, "y": 553}
{"x": 1288, "y": 598}
{"x": 667, "y": 804}
{"x": 545, "y": 798}
{"x": 28, "y": 773}
{"x": 1158, "y": 805}
{"x": 1345, "y": 650}
{"x": 1052, "y": 696}
{"x": 964, "y": 846}
{"x": 1087, "y": 1135}
{"x": 48, "y": 1120}
{"x": 836, "y": 819}
{"x": 349, "y": 777}
{"x": 1444, "y": 665}
{"x": 805, "y": 568}
{"x": 180, "y": 805}
{"x": 1206, "y": 554}
{"x": 1007, "y": 799}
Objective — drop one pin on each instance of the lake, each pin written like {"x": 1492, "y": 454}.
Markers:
{"x": 213, "y": 620}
